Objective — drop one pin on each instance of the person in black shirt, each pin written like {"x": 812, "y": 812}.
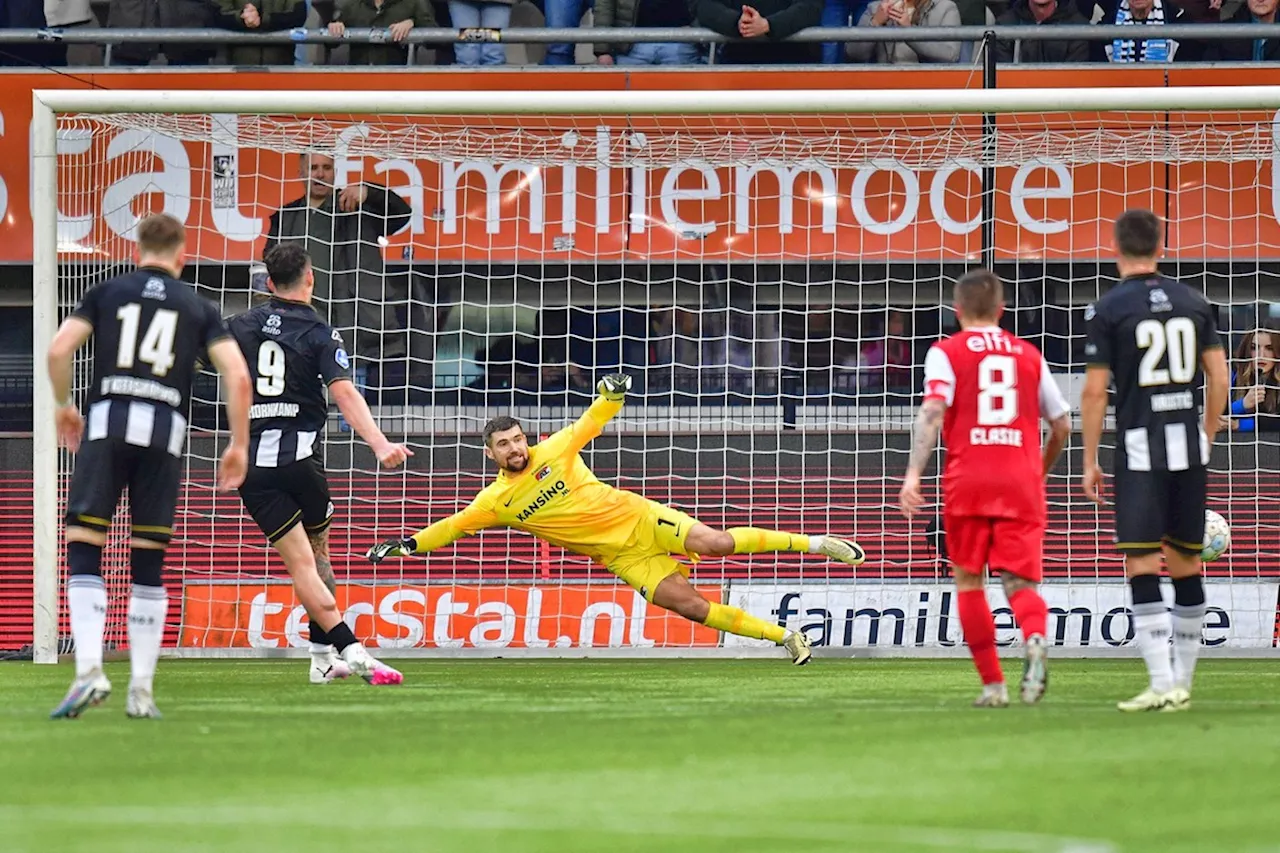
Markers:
{"x": 1159, "y": 339}
{"x": 294, "y": 354}
{"x": 148, "y": 330}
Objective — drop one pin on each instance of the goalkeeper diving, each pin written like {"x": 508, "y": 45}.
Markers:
{"x": 548, "y": 491}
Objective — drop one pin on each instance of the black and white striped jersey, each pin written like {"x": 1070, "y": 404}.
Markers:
{"x": 293, "y": 355}
{"x": 1151, "y": 331}
{"x": 149, "y": 329}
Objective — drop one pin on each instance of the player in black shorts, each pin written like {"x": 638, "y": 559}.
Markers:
{"x": 1159, "y": 339}
{"x": 293, "y": 355}
{"x": 148, "y": 330}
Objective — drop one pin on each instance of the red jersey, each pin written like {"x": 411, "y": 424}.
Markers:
{"x": 996, "y": 388}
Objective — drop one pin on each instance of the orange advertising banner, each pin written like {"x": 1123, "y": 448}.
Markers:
{"x": 401, "y": 616}
{"x": 678, "y": 188}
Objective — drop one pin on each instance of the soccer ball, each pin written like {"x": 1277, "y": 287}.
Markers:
{"x": 1217, "y": 536}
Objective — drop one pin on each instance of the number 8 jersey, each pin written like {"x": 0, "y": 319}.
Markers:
{"x": 996, "y": 387}
{"x": 292, "y": 355}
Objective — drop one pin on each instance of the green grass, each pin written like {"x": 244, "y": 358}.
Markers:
{"x": 608, "y": 756}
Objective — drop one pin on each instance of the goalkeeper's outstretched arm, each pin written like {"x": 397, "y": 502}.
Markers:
{"x": 613, "y": 391}
{"x": 473, "y": 519}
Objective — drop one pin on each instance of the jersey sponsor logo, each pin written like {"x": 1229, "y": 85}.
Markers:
{"x": 1175, "y": 401}
{"x": 336, "y": 335}
{"x": 1159, "y": 300}
{"x": 543, "y": 498}
{"x": 343, "y": 360}
{"x": 273, "y": 410}
{"x": 1000, "y": 436}
{"x": 147, "y": 389}
{"x": 154, "y": 289}
{"x": 272, "y": 326}
{"x": 543, "y": 473}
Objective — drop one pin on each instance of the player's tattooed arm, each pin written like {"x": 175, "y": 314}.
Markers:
{"x": 925, "y": 440}
{"x": 324, "y": 566}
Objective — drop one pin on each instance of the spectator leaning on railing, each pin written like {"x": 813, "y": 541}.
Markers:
{"x": 261, "y": 16}
{"x": 1256, "y": 383}
{"x": 1042, "y": 13}
{"x": 398, "y": 16}
{"x": 907, "y": 14}
{"x": 486, "y": 14}
{"x": 645, "y": 13}
{"x": 341, "y": 231}
{"x": 166, "y": 14}
{"x": 761, "y": 27}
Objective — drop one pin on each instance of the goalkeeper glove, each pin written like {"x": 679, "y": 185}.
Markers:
{"x": 391, "y": 548}
{"x": 614, "y": 386}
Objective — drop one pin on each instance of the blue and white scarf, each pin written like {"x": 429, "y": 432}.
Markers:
{"x": 1152, "y": 50}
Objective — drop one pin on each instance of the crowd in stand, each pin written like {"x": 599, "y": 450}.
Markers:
{"x": 758, "y": 30}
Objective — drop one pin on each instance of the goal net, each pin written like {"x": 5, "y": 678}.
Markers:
{"x": 770, "y": 268}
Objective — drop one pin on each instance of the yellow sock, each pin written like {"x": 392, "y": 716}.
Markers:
{"x": 754, "y": 540}
{"x": 735, "y": 620}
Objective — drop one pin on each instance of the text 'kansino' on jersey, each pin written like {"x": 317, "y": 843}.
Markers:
{"x": 996, "y": 388}
{"x": 1151, "y": 332}
{"x": 292, "y": 356}
{"x": 149, "y": 329}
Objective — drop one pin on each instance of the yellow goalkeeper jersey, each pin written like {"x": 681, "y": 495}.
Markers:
{"x": 556, "y": 498}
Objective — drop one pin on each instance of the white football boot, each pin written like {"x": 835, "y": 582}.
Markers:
{"x": 88, "y": 690}
{"x": 993, "y": 696}
{"x": 1035, "y": 671}
{"x": 369, "y": 668}
{"x": 327, "y": 666}
{"x": 1147, "y": 700}
{"x": 799, "y": 646}
{"x": 140, "y": 704}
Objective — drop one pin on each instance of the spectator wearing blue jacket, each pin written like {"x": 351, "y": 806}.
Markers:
{"x": 1256, "y": 383}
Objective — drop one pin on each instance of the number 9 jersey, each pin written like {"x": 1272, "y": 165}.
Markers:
{"x": 292, "y": 356}
{"x": 996, "y": 388}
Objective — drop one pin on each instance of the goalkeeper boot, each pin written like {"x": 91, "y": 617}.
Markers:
{"x": 1147, "y": 700}
{"x": 327, "y": 666}
{"x": 842, "y": 550}
{"x": 369, "y": 668}
{"x": 87, "y": 690}
{"x": 141, "y": 705}
{"x": 993, "y": 696}
{"x": 799, "y": 647}
{"x": 1035, "y": 671}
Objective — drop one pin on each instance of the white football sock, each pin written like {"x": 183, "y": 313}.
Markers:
{"x": 815, "y": 544}
{"x": 148, "y": 607}
{"x": 1187, "y": 624}
{"x": 1152, "y": 628}
{"x": 87, "y": 601}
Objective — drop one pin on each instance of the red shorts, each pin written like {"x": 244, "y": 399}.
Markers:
{"x": 975, "y": 542}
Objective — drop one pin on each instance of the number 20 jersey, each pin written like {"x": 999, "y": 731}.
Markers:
{"x": 292, "y": 355}
{"x": 996, "y": 387}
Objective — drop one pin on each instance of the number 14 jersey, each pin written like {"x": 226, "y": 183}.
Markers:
{"x": 996, "y": 387}
{"x": 293, "y": 355}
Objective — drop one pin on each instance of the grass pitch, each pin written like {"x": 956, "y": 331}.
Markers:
{"x": 706, "y": 756}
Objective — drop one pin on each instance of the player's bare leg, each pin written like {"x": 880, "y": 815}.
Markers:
{"x": 1152, "y": 628}
{"x": 979, "y": 627}
{"x": 706, "y": 540}
{"x": 87, "y": 603}
{"x": 676, "y": 594}
{"x": 1188, "y": 620}
{"x": 299, "y": 559}
{"x": 1031, "y": 614}
{"x": 326, "y": 666}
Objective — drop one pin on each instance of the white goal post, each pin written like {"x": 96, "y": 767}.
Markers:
{"x": 972, "y": 152}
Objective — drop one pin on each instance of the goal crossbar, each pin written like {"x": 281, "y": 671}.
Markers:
{"x": 637, "y": 102}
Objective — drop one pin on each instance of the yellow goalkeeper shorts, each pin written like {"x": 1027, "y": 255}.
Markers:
{"x": 645, "y": 561}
